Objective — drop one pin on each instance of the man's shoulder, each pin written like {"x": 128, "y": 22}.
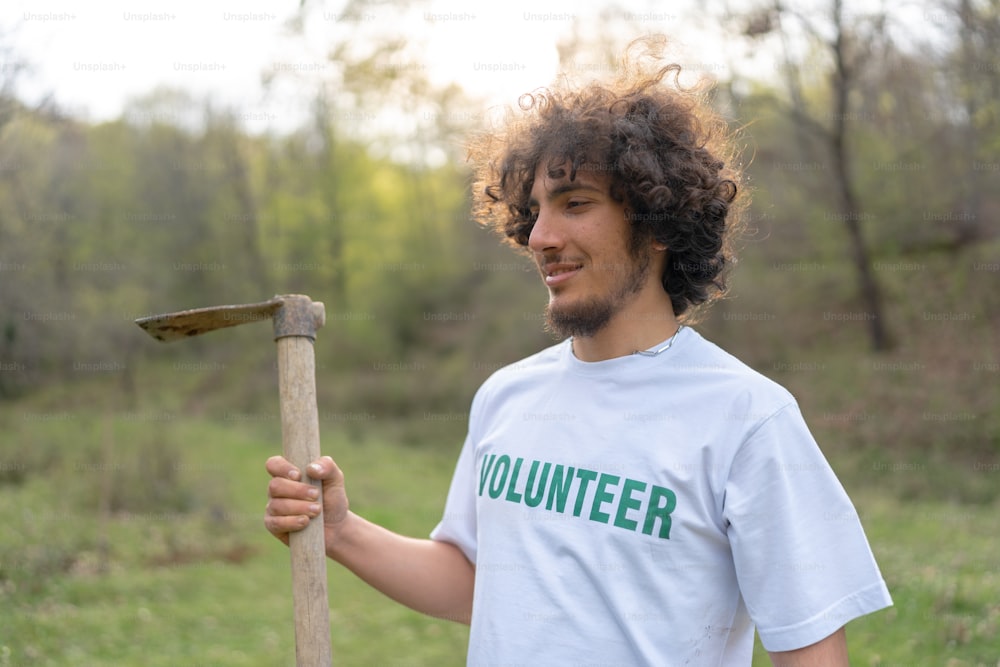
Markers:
{"x": 695, "y": 365}
{"x": 539, "y": 362}
{"x": 699, "y": 353}
{"x": 702, "y": 361}
{"x": 512, "y": 378}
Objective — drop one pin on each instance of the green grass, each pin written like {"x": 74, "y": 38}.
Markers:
{"x": 199, "y": 582}
{"x": 940, "y": 563}
{"x": 179, "y": 570}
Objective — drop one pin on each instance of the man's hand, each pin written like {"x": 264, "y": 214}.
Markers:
{"x": 292, "y": 504}
{"x": 431, "y": 577}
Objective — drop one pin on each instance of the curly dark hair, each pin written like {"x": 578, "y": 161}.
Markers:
{"x": 669, "y": 158}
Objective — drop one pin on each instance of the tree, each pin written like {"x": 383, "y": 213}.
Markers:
{"x": 975, "y": 77}
{"x": 846, "y": 46}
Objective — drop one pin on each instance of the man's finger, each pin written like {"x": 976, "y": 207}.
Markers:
{"x": 279, "y": 487}
{"x": 321, "y": 468}
{"x": 278, "y": 466}
{"x": 284, "y": 507}
{"x": 280, "y": 526}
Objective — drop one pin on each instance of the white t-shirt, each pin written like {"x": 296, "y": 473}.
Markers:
{"x": 650, "y": 511}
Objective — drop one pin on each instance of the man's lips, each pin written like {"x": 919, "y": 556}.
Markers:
{"x": 557, "y": 273}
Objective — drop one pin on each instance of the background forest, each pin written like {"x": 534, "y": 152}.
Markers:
{"x": 131, "y": 474}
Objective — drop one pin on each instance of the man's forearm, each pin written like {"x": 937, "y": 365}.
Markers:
{"x": 431, "y": 577}
{"x": 829, "y": 652}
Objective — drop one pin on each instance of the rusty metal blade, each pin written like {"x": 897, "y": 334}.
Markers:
{"x": 186, "y": 323}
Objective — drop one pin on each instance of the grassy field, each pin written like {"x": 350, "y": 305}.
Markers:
{"x": 129, "y": 540}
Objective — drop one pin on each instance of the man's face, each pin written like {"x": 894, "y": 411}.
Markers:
{"x": 580, "y": 242}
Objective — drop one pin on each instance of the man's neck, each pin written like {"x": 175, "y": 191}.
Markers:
{"x": 629, "y": 331}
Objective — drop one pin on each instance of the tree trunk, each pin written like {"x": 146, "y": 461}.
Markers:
{"x": 847, "y": 203}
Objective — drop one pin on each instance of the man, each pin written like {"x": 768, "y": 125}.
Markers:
{"x": 633, "y": 495}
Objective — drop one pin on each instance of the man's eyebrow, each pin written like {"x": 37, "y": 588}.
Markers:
{"x": 563, "y": 188}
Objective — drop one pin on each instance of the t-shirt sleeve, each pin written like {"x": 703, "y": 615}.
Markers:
{"x": 458, "y": 524}
{"x": 802, "y": 559}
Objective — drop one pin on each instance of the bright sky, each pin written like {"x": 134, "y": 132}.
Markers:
{"x": 94, "y": 56}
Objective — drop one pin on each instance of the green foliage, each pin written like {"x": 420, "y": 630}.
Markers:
{"x": 102, "y": 224}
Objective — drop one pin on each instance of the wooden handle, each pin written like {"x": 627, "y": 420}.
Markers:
{"x": 300, "y": 440}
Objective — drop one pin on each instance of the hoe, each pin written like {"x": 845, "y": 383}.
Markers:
{"x": 296, "y": 318}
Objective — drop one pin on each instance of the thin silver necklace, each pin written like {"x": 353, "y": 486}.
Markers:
{"x": 666, "y": 346}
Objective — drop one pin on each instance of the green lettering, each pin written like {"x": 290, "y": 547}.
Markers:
{"x": 485, "y": 471}
{"x": 627, "y": 502}
{"x": 533, "y": 498}
{"x": 559, "y": 490}
{"x": 511, "y": 495}
{"x": 661, "y": 503}
{"x": 602, "y": 496}
{"x": 496, "y": 489}
{"x": 586, "y": 477}
{"x": 556, "y": 489}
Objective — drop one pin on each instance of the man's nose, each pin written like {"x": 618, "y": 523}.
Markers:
{"x": 546, "y": 234}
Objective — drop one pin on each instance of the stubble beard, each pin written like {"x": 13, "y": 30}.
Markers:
{"x": 587, "y": 317}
